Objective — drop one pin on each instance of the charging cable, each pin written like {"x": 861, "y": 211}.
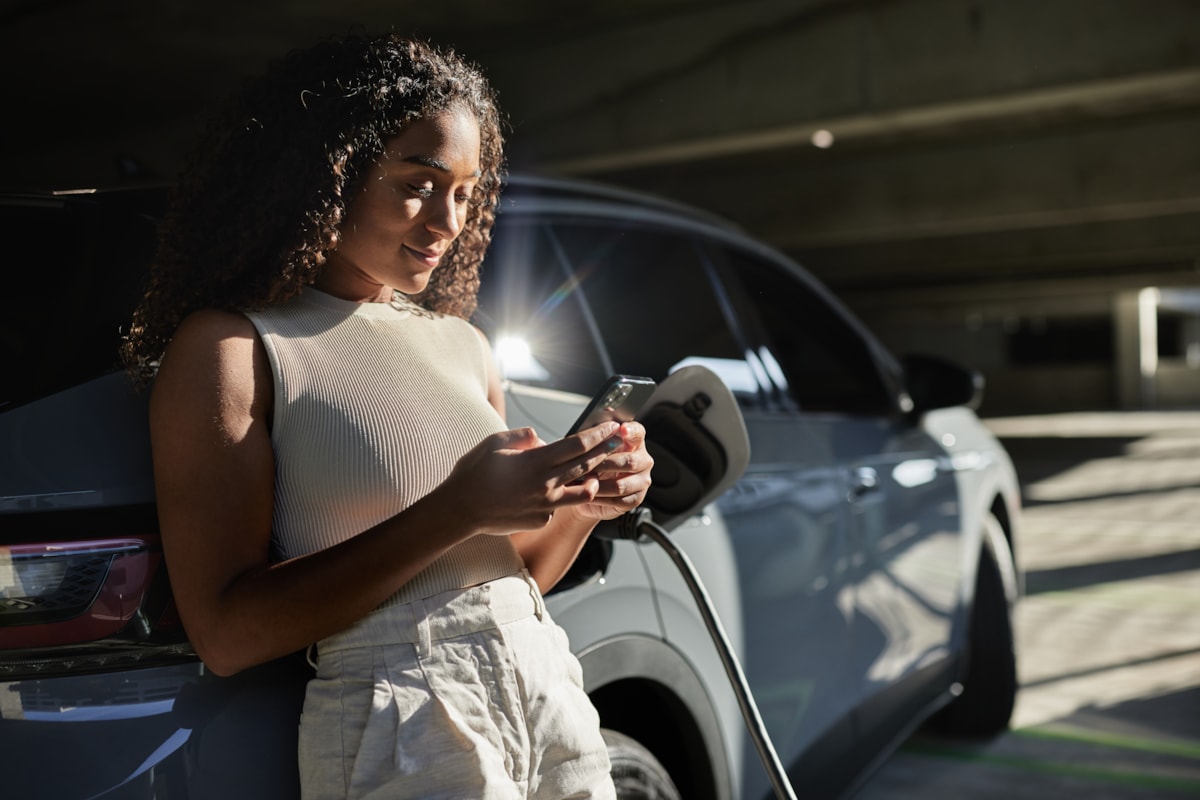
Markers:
{"x": 639, "y": 523}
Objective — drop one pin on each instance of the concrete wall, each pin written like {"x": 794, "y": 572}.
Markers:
{"x": 1178, "y": 385}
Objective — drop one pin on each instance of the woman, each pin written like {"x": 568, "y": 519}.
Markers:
{"x": 330, "y": 456}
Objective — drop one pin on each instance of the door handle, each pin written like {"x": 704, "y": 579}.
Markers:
{"x": 862, "y": 481}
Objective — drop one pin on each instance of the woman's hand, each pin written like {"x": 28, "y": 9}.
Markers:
{"x": 513, "y": 481}
{"x": 610, "y": 479}
{"x": 624, "y": 476}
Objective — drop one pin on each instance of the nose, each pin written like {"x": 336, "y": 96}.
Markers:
{"x": 445, "y": 217}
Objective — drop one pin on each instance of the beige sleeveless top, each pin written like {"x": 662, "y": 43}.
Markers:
{"x": 374, "y": 404}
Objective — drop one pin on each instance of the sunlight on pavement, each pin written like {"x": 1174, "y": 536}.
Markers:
{"x": 1108, "y": 633}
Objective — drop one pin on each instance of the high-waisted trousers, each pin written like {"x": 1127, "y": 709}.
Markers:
{"x": 472, "y": 693}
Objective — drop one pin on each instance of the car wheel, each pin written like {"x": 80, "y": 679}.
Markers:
{"x": 990, "y": 687}
{"x": 635, "y": 771}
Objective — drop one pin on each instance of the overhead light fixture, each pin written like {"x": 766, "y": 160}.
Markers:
{"x": 822, "y": 139}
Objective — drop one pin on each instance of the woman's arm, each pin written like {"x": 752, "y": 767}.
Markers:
{"x": 214, "y": 475}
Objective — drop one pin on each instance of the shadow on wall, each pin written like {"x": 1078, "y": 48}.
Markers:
{"x": 1048, "y": 389}
{"x": 1040, "y": 457}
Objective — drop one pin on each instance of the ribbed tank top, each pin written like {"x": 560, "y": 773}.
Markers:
{"x": 374, "y": 404}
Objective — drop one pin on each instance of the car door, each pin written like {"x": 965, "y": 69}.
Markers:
{"x": 895, "y": 484}
{"x": 655, "y": 302}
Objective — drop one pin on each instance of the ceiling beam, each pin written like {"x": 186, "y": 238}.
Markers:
{"x": 1075, "y": 104}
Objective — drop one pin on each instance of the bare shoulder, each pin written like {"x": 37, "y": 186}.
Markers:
{"x": 216, "y": 365}
{"x": 211, "y": 329}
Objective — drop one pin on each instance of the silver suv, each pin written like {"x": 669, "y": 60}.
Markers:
{"x": 863, "y": 564}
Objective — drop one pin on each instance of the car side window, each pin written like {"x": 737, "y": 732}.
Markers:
{"x": 818, "y": 360}
{"x": 532, "y": 313}
{"x": 655, "y": 303}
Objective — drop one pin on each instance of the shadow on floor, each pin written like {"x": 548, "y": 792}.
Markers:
{"x": 1061, "y": 579}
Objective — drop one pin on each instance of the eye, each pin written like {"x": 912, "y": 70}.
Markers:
{"x": 463, "y": 194}
{"x": 422, "y": 191}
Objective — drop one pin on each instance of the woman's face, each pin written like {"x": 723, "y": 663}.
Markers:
{"x": 411, "y": 206}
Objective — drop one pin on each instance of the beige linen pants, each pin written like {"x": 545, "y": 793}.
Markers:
{"x": 468, "y": 694}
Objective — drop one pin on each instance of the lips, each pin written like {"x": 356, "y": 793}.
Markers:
{"x": 429, "y": 258}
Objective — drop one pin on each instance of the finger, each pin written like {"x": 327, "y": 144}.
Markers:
{"x": 621, "y": 463}
{"x": 580, "y": 469}
{"x": 570, "y": 451}
{"x": 588, "y": 447}
{"x": 623, "y": 486}
{"x": 626, "y": 461}
{"x": 588, "y": 439}
{"x": 583, "y": 491}
{"x": 614, "y": 507}
{"x": 515, "y": 439}
{"x": 633, "y": 434}
{"x": 604, "y": 463}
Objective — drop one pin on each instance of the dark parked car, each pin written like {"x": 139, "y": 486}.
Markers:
{"x": 863, "y": 564}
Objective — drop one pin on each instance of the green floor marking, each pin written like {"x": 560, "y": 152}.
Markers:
{"x": 1137, "y": 779}
{"x": 1157, "y": 746}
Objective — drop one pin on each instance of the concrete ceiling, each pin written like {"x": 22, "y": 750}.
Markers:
{"x": 88, "y": 82}
{"x": 977, "y": 145}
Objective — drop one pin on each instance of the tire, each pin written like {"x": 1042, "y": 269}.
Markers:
{"x": 984, "y": 708}
{"x": 636, "y": 773}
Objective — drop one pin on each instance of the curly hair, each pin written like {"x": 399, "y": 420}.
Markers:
{"x": 258, "y": 206}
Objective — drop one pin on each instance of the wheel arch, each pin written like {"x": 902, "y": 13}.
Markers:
{"x": 994, "y": 536}
{"x": 644, "y": 688}
{"x": 1003, "y": 547}
{"x": 983, "y": 704}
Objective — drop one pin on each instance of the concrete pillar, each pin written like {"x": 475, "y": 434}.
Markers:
{"x": 1135, "y": 316}
{"x": 1191, "y": 341}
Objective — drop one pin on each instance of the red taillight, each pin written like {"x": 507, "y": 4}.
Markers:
{"x": 66, "y": 593}
{"x": 86, "y": 606}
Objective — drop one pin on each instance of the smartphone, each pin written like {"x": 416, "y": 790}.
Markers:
{"x": 620, "y": 399}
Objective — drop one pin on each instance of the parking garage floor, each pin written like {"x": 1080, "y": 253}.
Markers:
{"x": 1109, "y": 631}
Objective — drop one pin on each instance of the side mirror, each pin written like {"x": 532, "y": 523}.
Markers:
{"x": 934, "y": 382}
{"x": 696, "y": 435}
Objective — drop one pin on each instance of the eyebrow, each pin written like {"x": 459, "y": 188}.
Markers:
{"x": 434, "y": 163}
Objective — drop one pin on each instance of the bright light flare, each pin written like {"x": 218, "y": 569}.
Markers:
{"x": 515, "y": 357}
